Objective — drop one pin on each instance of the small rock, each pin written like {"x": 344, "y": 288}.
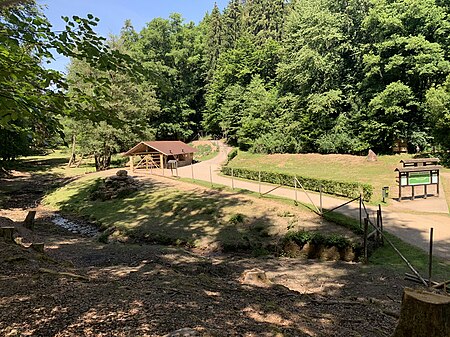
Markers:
{"x": 371, "y": 156}
{"x": 255, "y": 276}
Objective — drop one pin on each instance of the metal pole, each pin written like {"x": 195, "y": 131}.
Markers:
{"x": 210, "y": 175}
{"x": 232, "y": 179}
{"x": 430, "y": 260}
{"x": 259, "y": 182}
{"x": 295, "y": 187}
{"x": 320, "y": 190}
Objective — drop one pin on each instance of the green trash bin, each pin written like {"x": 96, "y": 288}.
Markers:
{"x": 385, "y": 193}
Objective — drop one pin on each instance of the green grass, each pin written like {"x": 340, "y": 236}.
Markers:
{"x": 205, "y": 152}
{"x": 334, "y": 167}
{"x": 168, "y": 216}
{"x": 386, "y": 256}
{"x": 55, "y": 162}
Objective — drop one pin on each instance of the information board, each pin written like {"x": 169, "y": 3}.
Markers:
{"x": 419, "y": 178}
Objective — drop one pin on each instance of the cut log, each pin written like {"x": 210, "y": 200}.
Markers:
{"x": 7, "y": 234}
{"x": 423, "y": 314}
{"x": 29, "y": 220}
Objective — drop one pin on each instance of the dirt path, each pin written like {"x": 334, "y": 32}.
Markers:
{"x": 412, "y": 227}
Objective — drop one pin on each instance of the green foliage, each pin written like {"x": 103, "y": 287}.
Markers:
{"x": 233, "y": 153}
{"x": 33, "y": 98}
{"x": 318, "y": 239}
{"x": 346, "y": 189}
{"x": 272, "y": 76}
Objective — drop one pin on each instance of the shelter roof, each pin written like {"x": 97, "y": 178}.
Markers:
{"x": 419, "y": 168}
{"x": 420, "y": 160}
{"x": 167, "y": 147}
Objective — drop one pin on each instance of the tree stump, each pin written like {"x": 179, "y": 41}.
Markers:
{"x": 423, "y": 314}
{"x": 39, "y": 247}
{"x": 7, "y": 234}
{"x": 29, "y": 220}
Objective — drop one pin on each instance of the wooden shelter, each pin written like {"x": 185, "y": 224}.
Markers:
{"x": 160, "y": 154}
{"x": 418, "y": 172}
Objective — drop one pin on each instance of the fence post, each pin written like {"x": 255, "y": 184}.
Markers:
{"x": 295, "y": 187}
{"x": 381, "y": 225}
{"x": 232, "y": 179}
{"x": 378, "y": 226}
{"x": 366, "y": 229}
{"x": 192, "y": 171}
{"x": 210, "y": 175}
{"x": 360, "y": 210}
{"x": 430, "y": 257}
{"x": 320, "y": 190}
{"x": 259, "y": 182}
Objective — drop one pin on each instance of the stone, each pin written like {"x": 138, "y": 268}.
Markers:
{"x": 255, "y": 276}
{"x": 122, "y": 173}
{"x": 371, "y": 156}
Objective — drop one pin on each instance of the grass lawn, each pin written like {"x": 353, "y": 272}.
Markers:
{"x": 346, "y": 168}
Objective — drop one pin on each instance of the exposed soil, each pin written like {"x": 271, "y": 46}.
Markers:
{"x": 81, "y": 287}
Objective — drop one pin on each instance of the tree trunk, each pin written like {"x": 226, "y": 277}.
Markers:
{"x": 423, "y": 314}
{"x": 72, "y": 155}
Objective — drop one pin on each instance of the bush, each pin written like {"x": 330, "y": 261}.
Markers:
{"x": 345, "y": 189}
{"x": 232, "y": 154}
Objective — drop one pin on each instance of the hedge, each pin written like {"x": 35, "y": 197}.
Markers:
{"x": 341, "y": 188}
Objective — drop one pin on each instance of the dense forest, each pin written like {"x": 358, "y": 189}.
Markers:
{"x": 271, "y": 76}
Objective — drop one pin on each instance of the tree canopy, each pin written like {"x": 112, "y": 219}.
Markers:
{"x": 327, "y": 76}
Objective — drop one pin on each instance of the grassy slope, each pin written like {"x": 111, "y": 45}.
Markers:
{"x": 205, "y": 152}
{"x": 335, "y": 167}
{"x": 169, "y": 215}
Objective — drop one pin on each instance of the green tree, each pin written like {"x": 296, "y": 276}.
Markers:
{"x": 406, "y": 54}
{"x": 31, "y": 97}
{"x": 130, "y": 105}
{"x": 171, "y": 53}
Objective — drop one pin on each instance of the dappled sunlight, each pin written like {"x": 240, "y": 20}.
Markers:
{"x": 260, "y": 316}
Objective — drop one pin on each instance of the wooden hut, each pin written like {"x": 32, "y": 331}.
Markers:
{"x": 160, "y": 154}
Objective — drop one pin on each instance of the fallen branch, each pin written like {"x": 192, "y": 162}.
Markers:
{"x": 63, "y": 274}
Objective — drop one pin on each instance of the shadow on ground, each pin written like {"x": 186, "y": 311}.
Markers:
{"x": 152, "y": 290}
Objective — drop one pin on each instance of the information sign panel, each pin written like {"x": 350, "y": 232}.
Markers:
{"x": 419, "y": 178}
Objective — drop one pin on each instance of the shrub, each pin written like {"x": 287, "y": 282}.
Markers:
{"x": 346, "y": 189}
{"x": 232, "y": 154}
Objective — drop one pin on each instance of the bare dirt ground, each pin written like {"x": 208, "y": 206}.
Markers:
{"x": 80, "y": 287}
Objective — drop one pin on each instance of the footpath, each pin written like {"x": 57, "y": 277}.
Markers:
{"x": 411, "y": 222}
